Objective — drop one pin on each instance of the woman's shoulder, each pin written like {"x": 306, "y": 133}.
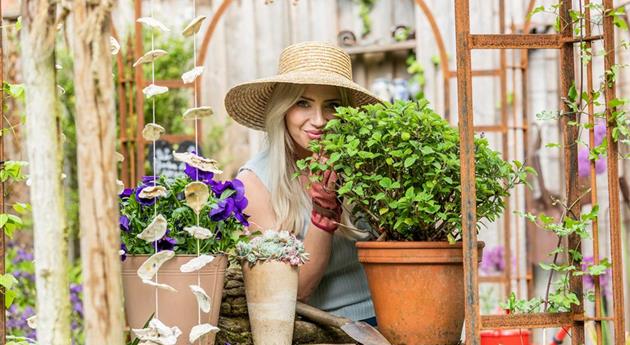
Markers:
{"x": 255, "y": 171}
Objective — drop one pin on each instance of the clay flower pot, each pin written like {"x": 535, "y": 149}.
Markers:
{"x": 176, "y": 308}
{"x": 417, "y": 289}
{"x": 271, "y": 292}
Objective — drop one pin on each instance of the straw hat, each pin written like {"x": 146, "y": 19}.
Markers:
{"x": 316, "y": 63}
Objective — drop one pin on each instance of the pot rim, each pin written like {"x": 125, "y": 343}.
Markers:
{"x": 412, "y": 245}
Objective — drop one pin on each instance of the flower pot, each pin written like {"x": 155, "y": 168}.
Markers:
{"x": 505, "y": 337}
{"x": 417, "y": 289}
{"x": 271, "y": 292}
{"x": 175, "y": 308}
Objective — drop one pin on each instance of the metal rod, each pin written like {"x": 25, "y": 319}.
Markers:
{"x": 467, "y": 154}
{"x": 569, "y": 139}
{"x": 516, "y": 41}
{"x": 139, "y": 77}
{"x": 593, "y": 176}
{"x": 613, "y": 182}
{"x": 507, "y": 243}
{"x": 536, "y": 320}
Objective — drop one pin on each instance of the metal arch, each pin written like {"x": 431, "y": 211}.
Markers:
{"x": 437, "y": 34}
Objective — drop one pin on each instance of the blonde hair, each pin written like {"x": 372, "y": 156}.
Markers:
{"x": 289, "y": 199}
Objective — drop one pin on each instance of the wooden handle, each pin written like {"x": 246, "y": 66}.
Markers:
{"x": 320, "y": 316}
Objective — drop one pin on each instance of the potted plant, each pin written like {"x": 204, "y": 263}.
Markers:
{"x": 270, "y": 271}
{"x": 399, "y": 164}
{"x": 189, "y": 217}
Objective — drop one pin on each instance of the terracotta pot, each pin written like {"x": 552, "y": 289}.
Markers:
{"x": 505, "y": 337}
{"x": 271, "y": 292}
{"x": 417, "y": 289}
{"x": 175, "y": 308}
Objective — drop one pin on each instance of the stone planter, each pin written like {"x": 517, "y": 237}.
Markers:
{"x": 271, "y": 291}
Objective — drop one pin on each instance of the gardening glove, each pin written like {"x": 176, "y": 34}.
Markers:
{"x": 326, "y": 213}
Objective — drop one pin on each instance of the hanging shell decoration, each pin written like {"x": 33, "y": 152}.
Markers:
{"x": 157, "y": 333}
{"x": 152, "y": 131}
{"x": 150, "y": 56}
{"x": 201, "y": 163}
{"x": 155, "y": 230}
{"x": 114, "y": 45}
{"x": 190, "y": 76}
{"x": 149, "y": 268}
{"x": 152, "y": 192}
{"x": 32, "y": 322}
{"x": 198, "y": 232}
{"x": 196, "y": 263}
{"x": 154, "y": 90}
{"x": 194, "y": 26}
{"x": 119, "y": 157}
{"x": 153, "y": 23}
{"x": 199, "y": 331}
{"x": 159, "y": 285}
{"x": 197, "y": 194}
{"x": 202, "y": 298}
{"x": 121, "y": 186}
{"x": 198, "y": 113}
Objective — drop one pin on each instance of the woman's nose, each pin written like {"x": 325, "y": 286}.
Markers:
{"x": 319, "y": 120}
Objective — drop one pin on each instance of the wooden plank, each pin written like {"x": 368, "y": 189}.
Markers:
{"x": 537, "y": 320}
{"x": 322, "y": 20}
{"x": 381, "y": 48}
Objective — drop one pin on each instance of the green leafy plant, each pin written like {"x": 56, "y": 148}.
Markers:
{"x": 221, "y": 214}
{"x": 400, "y": 164}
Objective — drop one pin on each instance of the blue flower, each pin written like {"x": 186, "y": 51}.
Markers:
{"x": 125, "y": 193}
{"x": 147, "y": 181}
{"x": 123, "y": 251}
{"x": 165, "y": 243}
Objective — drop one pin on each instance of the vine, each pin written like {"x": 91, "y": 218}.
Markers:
{"x": 580, "y": 102}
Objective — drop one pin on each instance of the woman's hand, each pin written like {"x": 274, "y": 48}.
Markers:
{"x": 326, "y": 213}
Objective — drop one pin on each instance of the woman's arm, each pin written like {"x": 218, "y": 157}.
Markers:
{"x": 261, "y": 217}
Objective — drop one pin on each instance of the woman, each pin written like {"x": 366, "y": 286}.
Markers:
{"x": 293, "y": 107}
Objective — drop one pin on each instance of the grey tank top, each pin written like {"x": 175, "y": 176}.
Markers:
{"x": 343, "y": 289}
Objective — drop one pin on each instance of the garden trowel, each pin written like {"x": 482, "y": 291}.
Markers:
{"x": 357, "y": 330}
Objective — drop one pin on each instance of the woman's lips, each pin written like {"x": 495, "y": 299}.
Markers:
{"x": 314, "y": 134}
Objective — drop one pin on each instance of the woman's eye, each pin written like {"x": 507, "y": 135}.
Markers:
{"x": 302, "y": 104}
{"x": 333, "y": 105}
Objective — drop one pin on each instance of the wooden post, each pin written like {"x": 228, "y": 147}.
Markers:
{"x": 96, "y": 138}
{"x": 43, "y": 129}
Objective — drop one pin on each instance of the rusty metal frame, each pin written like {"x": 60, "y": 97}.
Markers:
{"x": 564, "y": 42}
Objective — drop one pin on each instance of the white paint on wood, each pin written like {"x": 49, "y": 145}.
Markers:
{"x": 43, "y": 130}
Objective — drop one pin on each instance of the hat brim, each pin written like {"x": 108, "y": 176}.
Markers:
{"x": 246, "y": 102}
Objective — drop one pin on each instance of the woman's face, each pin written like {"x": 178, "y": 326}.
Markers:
{"x": 306, "y": 119}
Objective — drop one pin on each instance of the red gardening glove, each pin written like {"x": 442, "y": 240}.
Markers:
{"x": 326, "y": 212}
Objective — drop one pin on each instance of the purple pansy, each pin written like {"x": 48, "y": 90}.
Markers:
{"x": 125, "y": 193}
{"x": 196, "y": 174}
{"x": 232, "y": 205}
{"x": 123, "y": 222}
{"x": 165, "y": 243}
{"x": 123, "y": 251}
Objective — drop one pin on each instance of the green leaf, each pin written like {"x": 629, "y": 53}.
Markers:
{"x": 386, "y": 182}
{"x": 409, "y": 161}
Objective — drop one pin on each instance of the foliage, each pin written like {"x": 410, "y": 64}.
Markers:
{"x": 572, "y": 224}
{"x": 225, "y": 221}
{"x": 273, "y": 246}
{"x": 417, "y": 75}
{"x": 19, "y": 261}
{"x": 169, "y": 67}
{"x": 365, "y": 7}
{"x": 400, "y": 164}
